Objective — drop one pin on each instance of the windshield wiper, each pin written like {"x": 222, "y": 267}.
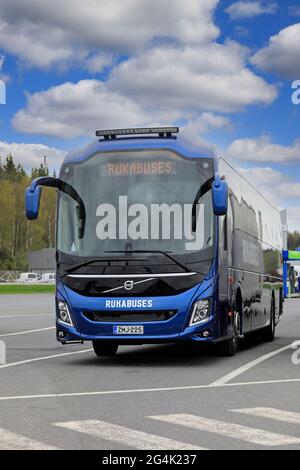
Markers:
{"x": 165, "y": 253}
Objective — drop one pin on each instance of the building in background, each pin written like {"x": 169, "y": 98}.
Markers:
{"x": 42, "y": 261}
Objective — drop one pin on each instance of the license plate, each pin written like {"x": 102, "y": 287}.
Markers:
{"x": 128, "y": 330}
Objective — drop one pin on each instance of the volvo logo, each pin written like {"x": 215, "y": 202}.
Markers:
{"x": 128, "y": 285}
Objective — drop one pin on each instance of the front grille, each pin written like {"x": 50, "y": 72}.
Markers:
{"x": 129, "y": 315}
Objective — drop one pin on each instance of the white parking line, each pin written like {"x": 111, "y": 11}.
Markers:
{"x": 26, "y": 315}
{"x": 37, "y": 359}
{"x": 12, "y": 441}
{"x": 241, "y": 370}
{"x": 231, "y": 430}
{"x": 138, "y": 390}
{"x": 272, "y": 413}
{"x": 126, "y": 436}
{"x": 27, "y": 332}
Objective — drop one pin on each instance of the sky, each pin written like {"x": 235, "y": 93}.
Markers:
{"x": 223, "y": 70}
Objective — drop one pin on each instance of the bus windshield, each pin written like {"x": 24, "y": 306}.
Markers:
{"x": 136, "y": 201}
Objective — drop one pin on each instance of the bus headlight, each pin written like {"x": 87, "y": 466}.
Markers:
{"x": 63, "y": 313}
{"x": 201, "y": 312}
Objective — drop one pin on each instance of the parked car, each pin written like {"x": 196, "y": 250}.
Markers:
{"x": 47, "y": 278}
{"x": 28, "y": 278}
{"x": 2, "y": 280}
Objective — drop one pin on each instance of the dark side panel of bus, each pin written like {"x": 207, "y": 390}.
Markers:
{"x": 250, "y": 247}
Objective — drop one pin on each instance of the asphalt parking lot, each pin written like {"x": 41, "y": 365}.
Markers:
{"x": 159, "y": 397}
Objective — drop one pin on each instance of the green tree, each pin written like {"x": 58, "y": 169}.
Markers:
{"x": 293, "y": 240}
{"x": 17, "y": 234}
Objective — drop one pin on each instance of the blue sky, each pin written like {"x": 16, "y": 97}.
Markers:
{"x": 223, "y": 70}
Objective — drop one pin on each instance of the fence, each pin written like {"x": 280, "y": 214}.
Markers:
{"x": 12, "y": 276}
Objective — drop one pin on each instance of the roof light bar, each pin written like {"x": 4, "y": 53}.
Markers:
{"x": 161, "y": 131}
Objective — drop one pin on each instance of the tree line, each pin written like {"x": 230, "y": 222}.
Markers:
{"x": 293, "y": 240}
{"x": 18, "y": 236}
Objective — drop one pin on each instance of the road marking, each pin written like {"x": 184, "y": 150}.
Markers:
{"x": 101, "y": 392}
{"x": 231, "y": 430}
{"x": 27, "y": 332}
{"x": 258, "y": 382}
{"x": 26, "y": 315}
{"x": 11, "y": 441}
{"x": 272, "y": 413}
{"x": 241, "y": 370}
{"x": 138, "y": 390}
{"x": 37, "y": 359}
{"x": 126, "y": 436}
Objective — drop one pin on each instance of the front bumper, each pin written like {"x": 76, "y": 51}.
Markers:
{"x": 194, "y": 334}
{"x": 168, "y": 331}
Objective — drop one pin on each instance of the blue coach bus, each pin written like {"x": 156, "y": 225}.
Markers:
{"x": 161, "y": 241}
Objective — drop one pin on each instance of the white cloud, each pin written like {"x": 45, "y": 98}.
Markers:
{"x": 250, "y": 9}
{"x": 162, "y": 85}
{"x": 264, "y": 180}
{"x": 175, "y": 70}
{"x": 268, "y": 178}
{"x": 211, "y": 78}
{"x": 43, "y": 33}
{"x": 32, "y": 155}
{"x": 72, "y": 110}
{"x": 35, "y": 46}
{"x": 262, "y": 150}
{"x": 294, "y": 218}
{"x": 97, "y": 62}
{"x": 278, "y": 188}
{"x": 282, "y": 54}
{"x": 207, "y": 122}
{"x": 286, "y": 196}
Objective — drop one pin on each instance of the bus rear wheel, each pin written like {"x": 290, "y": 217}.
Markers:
{"x": 105, "y": 349}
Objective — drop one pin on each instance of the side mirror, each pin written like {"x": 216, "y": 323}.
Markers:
{"x": 220, "y": 196}
{"x": 32, "y": 202}
{"x": 33, "y": 195}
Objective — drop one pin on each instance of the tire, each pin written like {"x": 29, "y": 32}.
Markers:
{"x": 229, "y": 347}
{"x": 269, "y": 331}
{"x": 105, "y": 349}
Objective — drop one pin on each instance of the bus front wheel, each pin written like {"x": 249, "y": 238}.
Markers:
{"x": 269, "y": 331}
{"x": 104, "y": 349}
{"x": 229, "y": 347}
